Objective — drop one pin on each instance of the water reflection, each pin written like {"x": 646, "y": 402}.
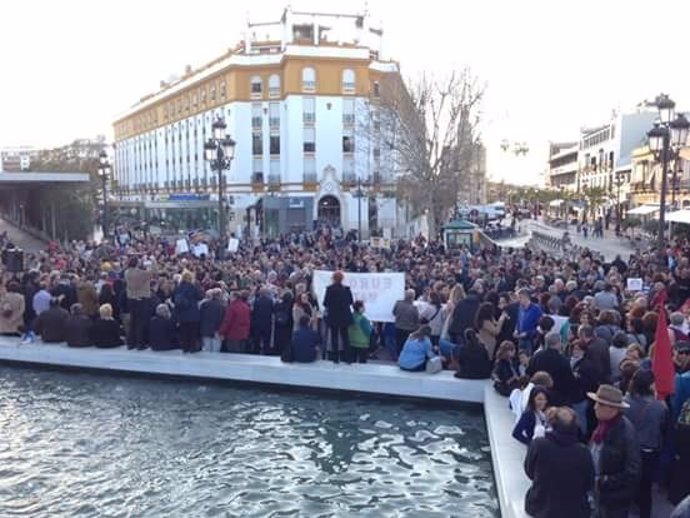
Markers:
{"x": 91, "y": 445}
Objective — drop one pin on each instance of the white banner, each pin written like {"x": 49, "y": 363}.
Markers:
{"x": 378, "y": 291}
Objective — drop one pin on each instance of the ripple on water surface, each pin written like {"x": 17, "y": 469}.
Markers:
{"x": 87, "y": 445}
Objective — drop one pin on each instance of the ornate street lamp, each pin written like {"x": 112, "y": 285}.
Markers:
{"x": 104, "y": 174}
{"x": 665, "y": 140}
{"x": 219, "y": 151}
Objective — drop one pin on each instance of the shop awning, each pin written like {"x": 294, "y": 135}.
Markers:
{"x": 643, "y": 210}
{"x": 679, "y": 216}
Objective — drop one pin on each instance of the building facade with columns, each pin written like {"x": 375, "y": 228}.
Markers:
{"x": 299, "y": 97}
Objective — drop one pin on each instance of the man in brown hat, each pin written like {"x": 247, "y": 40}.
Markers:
{"x": 616, "y": 455}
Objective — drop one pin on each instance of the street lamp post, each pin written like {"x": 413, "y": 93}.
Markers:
{"x": 665, "y": 140}
{"x": 219, "y": 151}
{"x": 619, "y": 212}
{"x": 359, "y": 193}
{"x": 104, "y": 174}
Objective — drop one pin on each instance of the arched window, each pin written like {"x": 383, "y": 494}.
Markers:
{"x": 274, "y": 86}
{"x": 256, "y": 87}
{"x": 348, "y": 81}
{"x": 308, "y": 79}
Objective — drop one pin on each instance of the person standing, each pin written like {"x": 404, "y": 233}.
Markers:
{"x": 406, "y": 319}
{"x": 616, "y": 454}
{"x": 560, "y": 468}
{"x": 262, "y": 321}
{"x": 528, "y": 320}
{"x": 337, "y": 302}
{"x": 212, "y": 312}
{"x": 649, "y": 417}
{"x": 186, "y": 299}
{"x": 360, "y": 334}
{"x": 138, "y": 281}
{"x": 237, "y": 323}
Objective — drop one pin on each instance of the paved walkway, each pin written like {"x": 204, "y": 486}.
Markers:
{"x": 21, "y": 239}
{"x": 609, "y": 245}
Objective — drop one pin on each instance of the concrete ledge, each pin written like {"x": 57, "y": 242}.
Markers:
{"x": 507, "y": 455}
{"x": 371, "y": 378}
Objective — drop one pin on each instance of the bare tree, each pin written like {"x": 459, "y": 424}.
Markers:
{"x": 429, "y": 125}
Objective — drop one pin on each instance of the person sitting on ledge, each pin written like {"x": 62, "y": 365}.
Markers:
{"x": 51, "y": 323}
{"x": 162, "y": 330}
{"x": 473, "y": 359}
{"x": 416, "y": 350}
{"x": 305, "y": 342}
{"x": 105, "y": 332}
{"x": 78, "y": 328}
{"x": 532, "y": 423}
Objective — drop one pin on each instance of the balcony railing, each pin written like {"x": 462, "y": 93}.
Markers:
{"x": 310, "y": 178}
{"x": 273, "y": 180}
{"x": 257, "y": 179}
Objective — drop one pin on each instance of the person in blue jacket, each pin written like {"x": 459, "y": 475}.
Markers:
{"x": 528, "y": 320}
{"x": 186, "y": 299}
{"x": 532, "y": 422}
{"x": 416, "y": 350}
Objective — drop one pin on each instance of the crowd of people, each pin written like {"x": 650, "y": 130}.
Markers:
{"x": 566, "y": 341}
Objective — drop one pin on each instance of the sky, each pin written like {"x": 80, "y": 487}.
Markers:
{"x": 68, "y": 67}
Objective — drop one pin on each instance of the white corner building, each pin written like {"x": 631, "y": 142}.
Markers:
{"x": 299, "y": 96}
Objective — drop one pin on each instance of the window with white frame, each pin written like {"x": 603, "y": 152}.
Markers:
{"x": 348, "y": 111}
{"x": 308, "y": 79}
{"x": 257, "y": 117}
{"x": 256, "y": 87}
{"x": 257, "y": 144}
{"x": 348, "y": 142}
{"x": 348, "y": 81}
{"x": 274, "y": 115}
{"x": 309, "y": 140}
{"x": 309, "y": 110}
{"x": 274, "y": 86}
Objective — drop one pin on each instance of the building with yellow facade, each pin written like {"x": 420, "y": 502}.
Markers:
{"x": 299, "y": 98}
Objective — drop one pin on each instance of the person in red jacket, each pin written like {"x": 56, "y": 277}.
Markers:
{"x": 236, "y": 324}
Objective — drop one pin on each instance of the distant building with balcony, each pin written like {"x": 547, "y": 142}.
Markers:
{"x": 645, "y": 185}
{"x": 562, "y": 166}
{"x": 299, "y": 97}
{"x": 605, "y": 153}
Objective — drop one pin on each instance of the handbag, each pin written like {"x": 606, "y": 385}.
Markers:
{"x": 434, "y": 365}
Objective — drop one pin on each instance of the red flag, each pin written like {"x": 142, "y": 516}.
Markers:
{"x": 662, "y": 359}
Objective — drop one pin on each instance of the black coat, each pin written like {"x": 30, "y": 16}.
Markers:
{"x": 106, "y": 333}
{"x": 565, "y": 389}
{"x": 474, "y": 362}
{"x": 464, "y": 315}
{"x": 338, "y": 302}
{"x": 212, "y": 314}
{"x": 162, "y": 334}
{"x": 562, "y": 473}
{"x": 262, "y": 313}
{"x": 51, "y": 324}
{"x": 77, "y": 331}
{"x": 619, "y": 465}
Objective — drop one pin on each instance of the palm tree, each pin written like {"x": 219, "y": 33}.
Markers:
{"x": 595, "y": 198}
